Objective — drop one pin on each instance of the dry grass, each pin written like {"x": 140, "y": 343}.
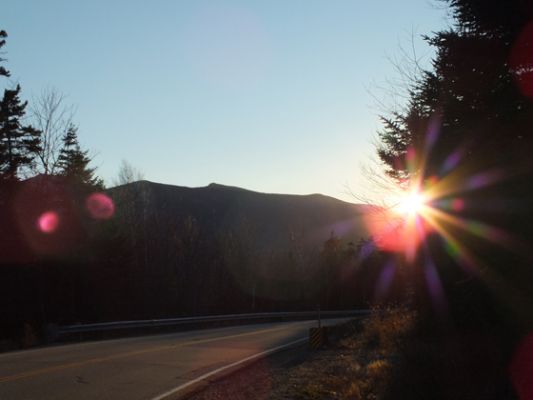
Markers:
{"x": 382, "y": 357}
{"x": 359, "y": 365}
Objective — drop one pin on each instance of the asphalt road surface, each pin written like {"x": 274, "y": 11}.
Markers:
{"x": 149, "y": 367}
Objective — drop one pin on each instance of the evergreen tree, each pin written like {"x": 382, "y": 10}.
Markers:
{"x": 470, "y": 97}
{"x": 18, "y": 143}
{"x": 467, "y": 124}
{"x": 3, "y": 35}
{"x": 466, "y": 133}
{"x": 73, "y": 162}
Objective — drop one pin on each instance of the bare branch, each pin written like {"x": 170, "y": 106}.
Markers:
{"x": 52, "y": 116}
{"x": 127, "y": 174}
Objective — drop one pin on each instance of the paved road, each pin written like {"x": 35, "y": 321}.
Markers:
{"x": 146, "y": 367}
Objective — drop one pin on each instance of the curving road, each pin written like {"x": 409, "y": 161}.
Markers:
{"x": 149, "y": 367}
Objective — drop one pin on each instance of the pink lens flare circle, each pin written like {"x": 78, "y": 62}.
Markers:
{"x": 48, "y": 222}
{"x": 100, "y": 206}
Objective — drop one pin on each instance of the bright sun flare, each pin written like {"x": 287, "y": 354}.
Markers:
{"x": 412, "y": 203}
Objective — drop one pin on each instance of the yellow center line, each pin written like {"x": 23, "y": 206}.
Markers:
{"x": 28, "y": 374}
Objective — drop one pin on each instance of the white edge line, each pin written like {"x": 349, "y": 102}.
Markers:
{"x": 216, "y": 371}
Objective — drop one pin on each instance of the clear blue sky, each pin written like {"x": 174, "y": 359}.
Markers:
{"x": 268, "y": 95}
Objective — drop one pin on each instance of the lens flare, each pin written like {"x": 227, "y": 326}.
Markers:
{"x": 100, "y": 206}
{"x": 412, "y": 203}
{"x": 439, "y": 199}
{"x": 384, "y": 281}
{"x": 48, "y": 222}
{"x": 435, "y": 289}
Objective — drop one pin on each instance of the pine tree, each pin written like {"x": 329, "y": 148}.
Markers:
{"x": 18, "y": 143}
{"x": 3, "y": 35}
{"x": 466, "y": 134}
{"x": 74, "y": 163}
{"x": 470, "y": 96}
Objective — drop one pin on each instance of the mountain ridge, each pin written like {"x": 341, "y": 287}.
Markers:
{"x": 216, "y": 185}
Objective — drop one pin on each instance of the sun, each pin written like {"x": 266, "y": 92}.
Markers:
{"x": 412, "y": 203}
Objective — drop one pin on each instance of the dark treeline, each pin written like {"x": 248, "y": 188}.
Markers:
{"x": 170, "y": 251}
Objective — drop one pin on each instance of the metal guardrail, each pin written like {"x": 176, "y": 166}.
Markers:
{"x": 111, "y": 326}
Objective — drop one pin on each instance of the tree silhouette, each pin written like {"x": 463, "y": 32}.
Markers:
{"x": 18, "y": 143}
{"x": 74, "y": 163}
{"x": 127, "y": 173}
{"x": 469, "y": 96}
{"x": 466, "y": 132}
{"x": 53, "y": 117}
{"x": 3, "y": 35}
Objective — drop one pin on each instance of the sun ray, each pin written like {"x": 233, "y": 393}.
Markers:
{"x": 454, "y": 248}
{"x": 476, "y": 228}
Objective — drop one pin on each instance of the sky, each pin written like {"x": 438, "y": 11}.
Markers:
{"x": 273, "y": 96}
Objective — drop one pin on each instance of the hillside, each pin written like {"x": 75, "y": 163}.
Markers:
{"x": 225, "y": 249}
{"x": 274, "y": 219}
